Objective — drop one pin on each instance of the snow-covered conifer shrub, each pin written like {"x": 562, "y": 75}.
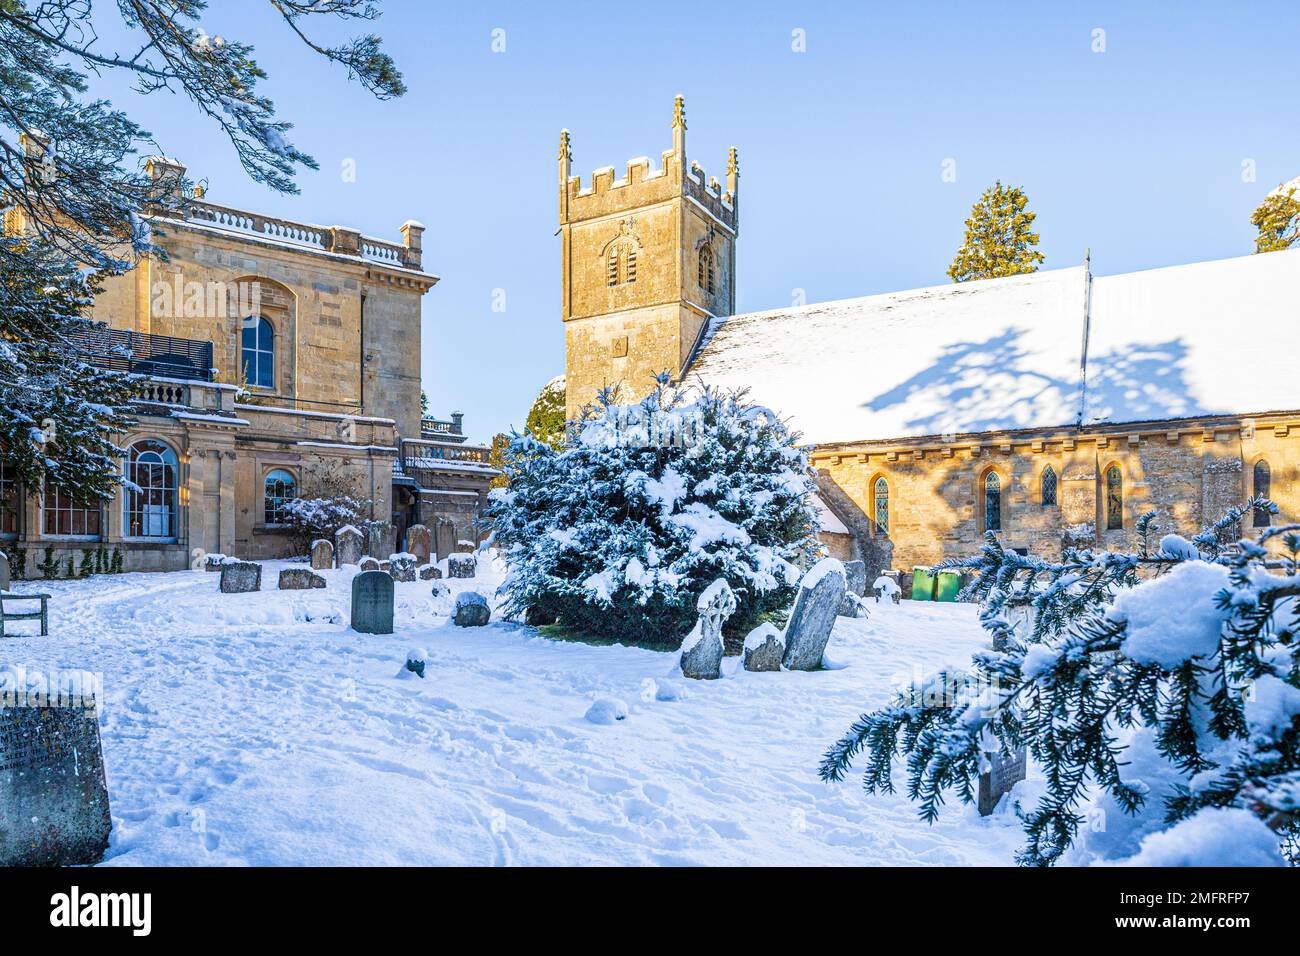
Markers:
{"x": 620, "y": 532}
{"x": 1158, "y": 692}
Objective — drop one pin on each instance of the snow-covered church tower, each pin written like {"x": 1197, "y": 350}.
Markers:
{"x": 647, "y": 260}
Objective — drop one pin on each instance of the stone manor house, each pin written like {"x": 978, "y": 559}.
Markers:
{"x": 1055, "y": 407}
{"x": 280, "y": 359}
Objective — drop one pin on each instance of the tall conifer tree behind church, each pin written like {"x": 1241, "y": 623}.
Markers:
{"x": 1000, "y": 240}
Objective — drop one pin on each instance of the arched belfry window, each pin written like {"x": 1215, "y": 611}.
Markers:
{"x": 1114, "y": 498}
{"x": 1048, "y": 486}
{"x": 620, "y": 262}
{"x": 149, "y": 499}
{"x": 257, "y": 343}
{"x": 280, "y": 488}
{"x": 880, "y": 504}
{"x": 707, "y": 270}
{"x": 1262, "y": 479}
{"x": 992, "y": 502}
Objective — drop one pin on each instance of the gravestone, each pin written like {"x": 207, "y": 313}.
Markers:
{"x": 471, "y": 610}
{"x": 239, "y": 577}
{"x": 300, "y": 579}
{"x": 417, "y": 543}
{"x": 347, "y": 545}
{"x": 821, "y": 592}
{"x": 372, "y": 603}
{"x": 322, "y": 555}
{"x": 370, "y": 564}
{"x": 402, "y": 567}
{"x": 702, "y": 649}
{"x": 429, "y": 572}
{"x": 1003, "y": 774}
{"x": 764, "y": 648}
{"x": 53, "y": 797}
{"x": 461, "y": 566}
{"x": 4, "y": 571}
{"x": 855, "y": 585}
{"x": 440, "y": 590}
{"x": 377, "y": 540}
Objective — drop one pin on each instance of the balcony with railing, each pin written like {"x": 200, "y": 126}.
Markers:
{"x": 437, "y": 429}
{"x": 421, "y": 460}
{"x": 140, "y": 353}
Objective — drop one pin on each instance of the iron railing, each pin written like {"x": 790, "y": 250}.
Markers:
{"x": 140, "y": 353}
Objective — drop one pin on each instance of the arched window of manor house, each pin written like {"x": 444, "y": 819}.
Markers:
{"x": 992, "y": 502}
{"x": 1114, "y": 498}
{"x": 1262, "y": 479}
{"x": 149, "y": 498}
{"x": 707, "y": 271}
{"x": 1048, "y": 486}
{"x": 281, "y": 487}
{"x": 880, "y": 504}
{"x": 257, "y": 345}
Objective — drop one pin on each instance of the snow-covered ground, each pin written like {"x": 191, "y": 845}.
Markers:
{"x": 258, "y": 729}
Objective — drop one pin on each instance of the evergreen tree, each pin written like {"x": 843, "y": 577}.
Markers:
{"x": 87, "y": 567}
{"x": 497, "y": 459}
{"x": 49, "y": 565}
{"x": 72, "y": 567}
{"x": 18, "y": 563}
{"x": 1277, "y": 218}
{"x": 1000, "y": 240}
{"x": 546, "y": 418}
{"x": 1158, "y": 685}
{"x": 74, "y": 212}
{"x": 115, "y": 566}
{"x": 620, "y": 533}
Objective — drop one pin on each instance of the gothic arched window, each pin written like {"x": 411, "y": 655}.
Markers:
{"x": 149, "y": 500}
{"x": 1048, "y": 486}
{"x": 280, "y": 487}
{"x": 1262, "y": 480}
{"x": 258, "y": 346}
{"x": 992, "y": 502}
{"x": 880, "y": 499}
{"x": 1114, "y": 498}
{"x": 706, "y": 270}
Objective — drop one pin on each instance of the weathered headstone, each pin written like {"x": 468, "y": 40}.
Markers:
{"x": 702, "y": 648}
{"x": 461, "y": 566}
{"x": 764, "y": 648}
{"x": 377, "y": 540}
{"x": 4, "y": 571}
{"x": 418, "y": 543}
{"x": 821, "y": 592}
{"x": 53, "y": 798}
{"x": 1003, "y": 773}
{"x": 322, "y": 555}
{"x": 240, "y": 577}
{"x": 300, "y": 579}
{"x": 402, "y": 567}
{"x": 471, "y": 610}
{"x": 347, "y": 545}
{"x": 370, "y": 564}
{"x": 372, "y": 603}
{"x": 429, "y": 572}
{"x": 855, "y": 586}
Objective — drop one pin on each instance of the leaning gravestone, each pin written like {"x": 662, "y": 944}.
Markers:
{"x": 402, "y": 567}
{"x": 764, "y": 648}
{"x": 372, "y": 603}
{"x": 1002, "y": 774}
{"x": 300, "y": 579}
{"x": 471, "y": 610}
{"x": 322, "y": 555}
{"x": 347, "y": 545}
{"x": 240, "y": 577}
{"x": 702, "y": 649}
{"x": 821, "y": 592}
{"x": 4, "y": 571}
{"x": 461, "y": 566}
{"x": 53, "y": 797}
{"x": 417, "y": 543}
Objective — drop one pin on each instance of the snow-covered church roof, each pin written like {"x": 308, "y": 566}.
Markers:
{"x": 1039, "y": 350}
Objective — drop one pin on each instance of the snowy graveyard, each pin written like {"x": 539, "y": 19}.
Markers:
{"x": 259, "y": 728}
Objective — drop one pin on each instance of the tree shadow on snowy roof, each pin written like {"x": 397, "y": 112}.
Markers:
{"x": 998, "y": 383}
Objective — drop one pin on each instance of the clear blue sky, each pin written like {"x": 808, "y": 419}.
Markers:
{"x": 1136, "y": 152}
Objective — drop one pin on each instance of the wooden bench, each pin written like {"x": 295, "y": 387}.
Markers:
{"x": 42, "y": 615}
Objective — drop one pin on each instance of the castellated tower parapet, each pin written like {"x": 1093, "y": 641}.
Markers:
{"x": 648, "y": 259}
